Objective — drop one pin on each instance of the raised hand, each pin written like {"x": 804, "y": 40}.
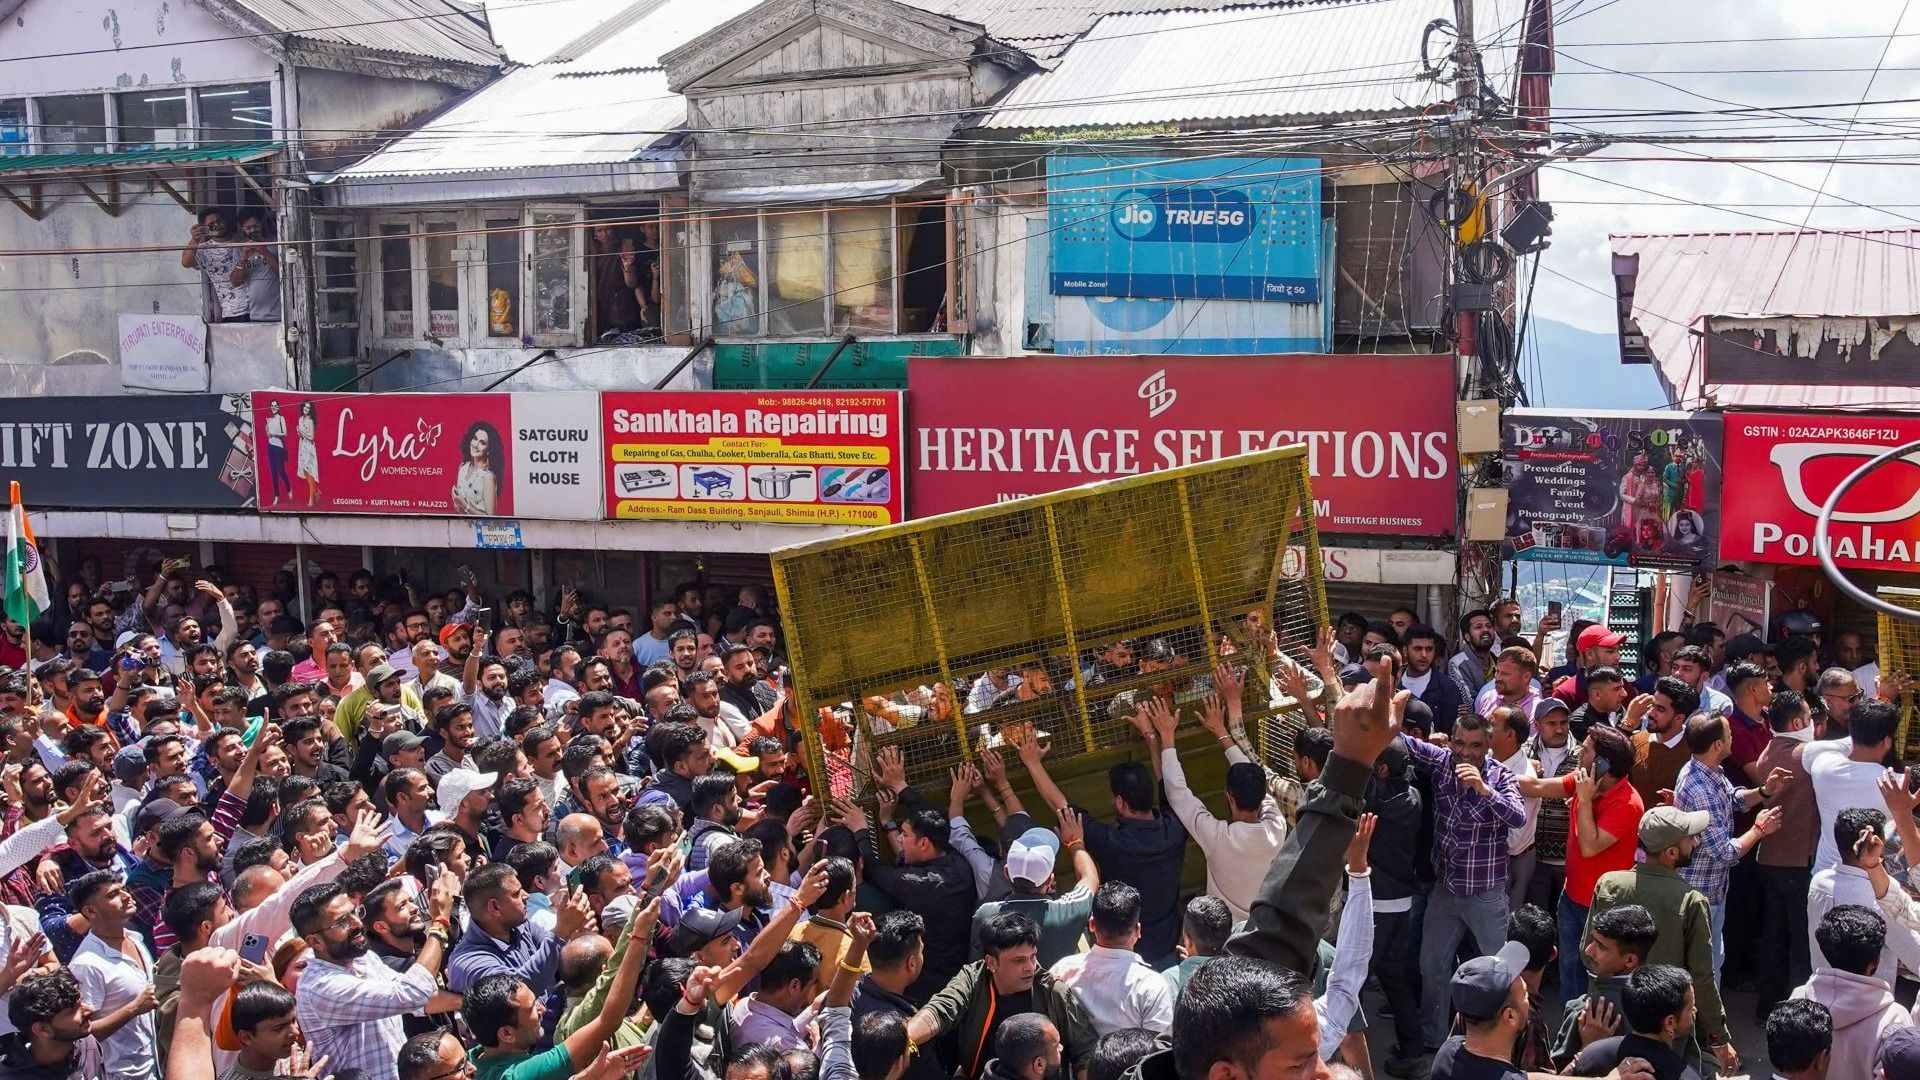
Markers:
{"x": 993, "y": 767}
{"x": 369, "y": 834}
{"x": 1213, "y": 716}
{"x": 700, "y": 983}
{"x": 813, "y": 886}
{"x": 1322, "y": 651}
{"x": 890, "y": 767}
{"x": 611, "y": 1064}
{"x": 861, "y": 928}
{"x": 1894, "y": 793}
{"x": 850, "y": 814}
{"x": 1367, "y": 717}
{"x": 206, "y": 974}
{"x": 1229, "y": 685}
{"x": 1072, "y": 826}
{"x": 571, "y": 918}
{"x": 1163, "y": 719}
{"x": 1469, "y": 776}
{"x": 1776, "y": 779}
{"x": 1768, "y": 821}
{"x": 1357, "y": 847}
{"x": 1598, "y": 1020}
{"x": 1584, "y": 785}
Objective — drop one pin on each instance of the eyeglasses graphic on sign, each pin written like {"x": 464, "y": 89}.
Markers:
{"x": 1810, "y": 471}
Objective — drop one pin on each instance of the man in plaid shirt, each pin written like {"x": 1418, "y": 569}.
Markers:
{"x": 1475, "y": 803}
{"x": 1704, "y": 786}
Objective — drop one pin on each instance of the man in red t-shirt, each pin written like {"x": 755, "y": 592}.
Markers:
{"x": 1602, "y": 832}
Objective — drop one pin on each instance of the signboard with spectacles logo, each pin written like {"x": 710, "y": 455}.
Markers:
{"x": 1790, "y": 464}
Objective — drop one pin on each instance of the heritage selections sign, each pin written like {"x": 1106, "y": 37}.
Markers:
{"x": 819, "y": 458}
{"x": 184, "y": 452}
{"x": 1379, "y": 429}
{"x": 459, "y": 455}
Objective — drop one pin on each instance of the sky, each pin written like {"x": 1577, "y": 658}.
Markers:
{"x": 1815, "y": 65}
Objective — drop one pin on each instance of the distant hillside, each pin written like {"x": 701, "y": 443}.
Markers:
{"x": 1582, "y": 369}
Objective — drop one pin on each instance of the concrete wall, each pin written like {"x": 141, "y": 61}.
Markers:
{"x": 344, "y": 115}
{"x": 117, "y": 30}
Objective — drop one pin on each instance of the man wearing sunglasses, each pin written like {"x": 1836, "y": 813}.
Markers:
{"x": 1839, "y": 692}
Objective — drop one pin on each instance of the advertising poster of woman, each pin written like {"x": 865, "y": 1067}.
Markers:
{"x": 429, "y": 454}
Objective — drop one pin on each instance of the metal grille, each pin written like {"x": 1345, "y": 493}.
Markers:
{"x": 890, "y": 631}
{"x": 1900, "y": 651}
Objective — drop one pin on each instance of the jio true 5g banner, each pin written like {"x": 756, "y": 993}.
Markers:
{"x": 1233, "y": 228}
{"x": 1623, "y": 488}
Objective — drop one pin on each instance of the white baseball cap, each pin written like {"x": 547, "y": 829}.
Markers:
{"x": 1030, "y": 858}
{"x": 460, "y": 783}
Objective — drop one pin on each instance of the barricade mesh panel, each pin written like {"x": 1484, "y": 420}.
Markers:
{"x": 890, "y": 632}
{"x": 1900, "y": 651}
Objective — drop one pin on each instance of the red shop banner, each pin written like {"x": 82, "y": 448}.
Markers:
{"x": 439, "y": 454}
{"x": 799, "y": 458}
{"x": 1379, "y": 429}
{"x": 1782, "y": 468}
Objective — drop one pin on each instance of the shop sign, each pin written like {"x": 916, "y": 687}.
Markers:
{"x": 180, "y": 452}
{"x": 498, "y": 535}
{"x": 1737, "y": 603}
{"x": 1379, "y": 429}
{"x": 793, "y": 365}
{"x": 456, "y": 455}
{"x": 821, "y": 458}
{"x": 164, "y": 352}
{"x": 1624, "y": 488}
{"x": 1789, "y": 465}
{"x": 1372, "y": 566}
{"x": 1220, "y": 228}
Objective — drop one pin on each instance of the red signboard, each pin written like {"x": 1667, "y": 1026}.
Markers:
{"x": 1782, "y": 467}
{"x": 1379, "y": 429}
{"x": 384, "y": 453}
{"x": 801, "y": 458}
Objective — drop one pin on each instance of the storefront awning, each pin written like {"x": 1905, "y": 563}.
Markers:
{"x": 782, "y": 194}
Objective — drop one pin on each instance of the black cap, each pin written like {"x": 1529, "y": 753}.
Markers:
{"x": 1741, "y": 646}
{"x": 1482, "y": 985}
{"x": 699, "y": 927}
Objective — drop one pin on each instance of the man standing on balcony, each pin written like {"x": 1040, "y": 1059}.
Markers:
{"x": 207, "y": 251}
{"x": 256, "y": 269}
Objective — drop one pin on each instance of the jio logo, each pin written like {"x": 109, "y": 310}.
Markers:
{"x": 1134, "y": 215}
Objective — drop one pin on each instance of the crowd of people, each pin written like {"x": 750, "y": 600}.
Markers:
{"x": 419, "y": 838}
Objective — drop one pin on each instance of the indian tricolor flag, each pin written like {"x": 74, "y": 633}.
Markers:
{"x": 26, "y": 578}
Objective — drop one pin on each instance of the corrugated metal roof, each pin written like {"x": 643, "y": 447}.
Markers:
{"x": 439, "y": 29}
{"x": 1684, "y": 277}
{"x": 640, "y": 36}
{"x": 1209, "y": 62}
{"x": 534, "y": 118}
{"x": 230, "y": 152}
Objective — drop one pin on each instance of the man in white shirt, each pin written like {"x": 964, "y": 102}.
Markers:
{"x": 1115, "y": 984}
{"x": 1240, "y": 848}
{"x": 115, "y": 972}
{"x": 1846, "y": 772}
{"x": 1510, "y": 733}
{"x": 1861, "y": 878}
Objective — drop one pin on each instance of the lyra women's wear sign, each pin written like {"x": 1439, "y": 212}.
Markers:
{"x": 469, "y": 455}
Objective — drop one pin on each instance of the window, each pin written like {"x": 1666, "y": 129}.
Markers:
{"x": 862, "y": 269}
{"x": 76, "y": 124}
{"x": 443, "y": 279}
{"x": 336, "y": 288}
{"x": 235, "y": 114}
{"x": 503, "y": 277}
{"x": 152, "y": 119}
{"x": 396, "y": 281}
{"x": 13, "y": 126}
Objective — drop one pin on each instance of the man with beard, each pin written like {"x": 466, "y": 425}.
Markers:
{"x": 89, "y": 708}
{"x": 1683, "y": 925}
{"x": 307, "y": 751}
{"x": 624, "y": 674}
{"x": 349, "y": 1003}
{"x": 1660, "y": 752}
{"x": 403, "y": 633}
{"x": 716, "y": 812}
{"x": 683, "y": 648}
{"x": 82, "y": 648}
{"x": 243, "y": 666}
{"x": 1469, "y": 667}
{"x": 454, "y": 724}
{"x": 100, "y": 621}
{"x": 737, "y": 881}
{"x": 115, "y": 971}
{"x": 1426, "y": 680}
{"x": 384, "y": 684}
{"x": 724, "y": 725}
{"x": 187, "y": 632}
{"x": 485, "y": 692}
{"x": 320, "y": 636}
{"x": 189, "y": 845}
{"x": 1027, "y": 1047}
{"x": 683, "y": 754}
{"x": 53, "y": 1030}
{"x": 499, "y": 938}
{"x": 1513, "y": 684}
{"x": 740, "y": 704}
{"x": 396, "y": 930}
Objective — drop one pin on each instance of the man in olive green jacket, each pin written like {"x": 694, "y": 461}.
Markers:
{"x": 1679, "y": 911}
{"x": 1008, "y": 979}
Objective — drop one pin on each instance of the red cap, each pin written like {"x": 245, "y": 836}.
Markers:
{"x": 447, "y": 631}
{"x": 1598, "y": 637}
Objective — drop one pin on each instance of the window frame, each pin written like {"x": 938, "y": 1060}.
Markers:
{"x": 703, "y": 257}
{"x": 470, "y": 258}
{"x": 36, "y": 141}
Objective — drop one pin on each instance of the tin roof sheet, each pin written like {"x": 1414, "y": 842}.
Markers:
{"x": 1215, "y": 62}
{"x": 440, "y": 29}
{"x": 1684, "y": 277}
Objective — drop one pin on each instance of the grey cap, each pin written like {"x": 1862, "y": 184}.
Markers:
{"x": 399, "y": 742}
{"x": 1481, "y": 986}
{"x": 130, "y": 764}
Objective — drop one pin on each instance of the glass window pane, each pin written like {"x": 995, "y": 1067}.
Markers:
{"x": 862, "y": 268}
{"x": 73, "y": 125}
{"x": 152, "y": 119}
{"x": 235, "y": 114}
{"x": 503, "y": 277}
{"x": 443, "y": 280}
{"x": 553, "y": 273}
{"x": 797, "y": 268}
{"x": 13, "y": 126}
{"x": 677, "y": 235}
{"x": 736, "y": 273}
{"x": 396, "y": 281}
